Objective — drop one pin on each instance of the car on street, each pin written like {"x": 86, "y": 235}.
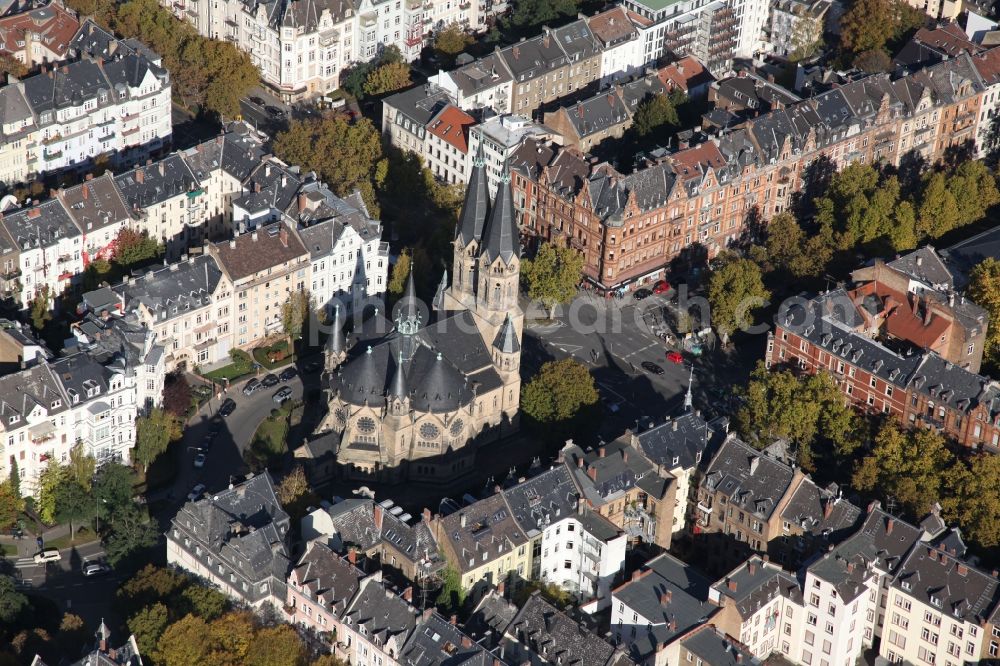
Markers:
{"x": 640, "y": 294}
{"x": 251, "y": 386}
{"x": 94, "y": 568}
{"x": 196, "y": 492}
{"x": 662, "y": 287}
{"x": 270, "y": 380}
{"x": 282, "y": 394}
{"x": 256, "y": 100}
{"x": 652, "y": 368}
{"x": 228, "y": 407}
{"x": 287, "y": 373}
{"x": 275, "y": 112}
{"x": 199, "y": 460}
{"x": 675, "y": 357}
{"x": 47, "y": 555}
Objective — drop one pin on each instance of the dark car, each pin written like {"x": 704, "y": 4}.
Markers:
{"x": 269, "y": 381}
{"x": 228, "y": 407}
{"x": 275, "y": 112}
{"x": 651, "y": 367}
{"x": 287, "y": 373}
{"x": 251, "y": 386}
{"x": 256, "y": 100}
{"x": 640, "y": 294}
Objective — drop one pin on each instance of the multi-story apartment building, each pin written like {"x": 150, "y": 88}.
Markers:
{"x": 50, "y": 249}
{"x": 797, "y": 26}
{"x": 572, "y": 546}
{"x": 320, "y": 585}
{"x": 38, "y": 35}
{"x": 486, "y": 83}
{"x": 652, "y": 612}
{"x": 496, "y": 140}
{"x": 917, "y": 389}
{"x": 18, "y": 134}
{"x": 187, "y": 305}
{"x": 376, "y": 624}
{"x": 446, "y": 150}
{"x": 235, "y": 540}
{"x": 987, "y": 64}
{"x": 97, "y": 208}
{"x": 264, "y": 268}
{"x": 707, "y": 193}
{"x": 616, "y": 481}
{"x": 622, "y": 53}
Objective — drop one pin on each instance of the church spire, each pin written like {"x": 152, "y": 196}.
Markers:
{"x": 476, "y": 204}
{"x": 506, "y": 341}
{"x": 397, "y": 389}
{"x": 408, "y": 318}
{"x": 438, "y": 303}
{"x": 501, "y": 238}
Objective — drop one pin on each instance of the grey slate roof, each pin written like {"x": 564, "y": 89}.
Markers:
{"x": 597, "y": 114}
{"x": 682, "y": 441}
{"x": 506, "y": 340}
{"x": 501, "y": 237}
{"x": 686, "y": 608}
{"x": 270, "y": 186}
{"x": 755, "y": 583}
{"x": 551, "y": 636}
{"x": 147, "y": 186}
{"x": 476, "y": 206}
{"x": 820, "y": 512}
{"x": 939, "y": 580}
{"x": 173, "y": 290}
{"x": 924, "y": 264}
{"x": 490, "y": 619}
{"x": 488, "y": 71}
{"x": 437, "y": 642}
{"x": 419, "y": 104}
{"x": 40, "y": 226}
{"x": 616, "y": 470}
{"x": 482, "y": 532}
{"x": 714, "y": 647}
{"x": 96, "y": 203}
{"x": 542, "y": 500}
{"x": 747, "y": 477}
{"x": 20, "y": 392}
{"x": 381, "y": 613}
{"x": 82, "y": 377}
{"x": 327, "y": 577}
{"x": 244, "y": 529}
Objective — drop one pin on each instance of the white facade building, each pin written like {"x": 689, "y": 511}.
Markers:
{"x": 582, "y": 554}
{"x": 499, "y": 137}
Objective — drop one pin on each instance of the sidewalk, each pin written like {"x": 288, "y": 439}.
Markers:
{"x": 26, "y": 546}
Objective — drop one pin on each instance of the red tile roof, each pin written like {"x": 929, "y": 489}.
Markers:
{"x": 52, "y": 25}
{"x": 452, "y": 125}
{"x": 693, "y": 162}
{"x": 950, "y": 39}
{"x": 611, "y": 26}
{"x": 684, "y": 74}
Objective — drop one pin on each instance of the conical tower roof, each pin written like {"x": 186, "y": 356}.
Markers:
{"x": 501, "y": 238}
{"x": 438, "y": 303}
{"x": 506, "y": 341}
{"x": 337, "y": 344}
{"x": 397, "y": 388}
{"x": 476, "y": 206}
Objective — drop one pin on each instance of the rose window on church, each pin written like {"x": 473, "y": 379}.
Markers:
{"x": 456, "y": 427}
{"x": 341, "y": 415}
{"x": 366, "y": 425}
{"x": 429, "y": 431}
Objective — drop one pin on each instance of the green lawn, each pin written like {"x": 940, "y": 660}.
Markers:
{"x": 8, "y": 549}
{"x": 232, "y": 372}
{"x": 83, "y": 535}
{"x": 269, "y": 443}
{"x": 260, "y": 355}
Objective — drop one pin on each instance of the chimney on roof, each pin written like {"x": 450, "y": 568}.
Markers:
{"x": 592, "y": 473}
{"x": 453, "y": 620}
{"x": 89, "y": 177}
{"x": 828, "y": 508}
{"x": 303, "y": 201}
{"x": 731, "y": 584}
{"x": 751, "y": 567}
{"x": 427, "y": 515}
{"x": 232, "y": 243}
{"x": 352, "y": 555}
{"x": 636, "y": 575}
{"x": 466, "y": 642}
{"x": 253, "y": 236}
{"x": 739, "y": 657}
{"x": 256, "y": 187}
{"x": 378, "y": 516}
{"x": 579, "y": 463}
{"x": 889, "y": 525}
{"x": 501, "y": 587}
{"x": 140, "y": 177}
{"x": 665, "y": 597}
{"x": 86, "y": 192}
{"x": 407, "y": 594}
{"x": 462, "y": 519}
{"x": 601, "y": 451}
{"x": 283, "y": 236}
{"x": 161, "y": 167}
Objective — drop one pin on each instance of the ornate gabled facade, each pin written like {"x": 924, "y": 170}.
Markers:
{"x": 409, "y": 396}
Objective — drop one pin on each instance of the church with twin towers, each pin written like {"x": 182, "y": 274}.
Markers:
{"x": 414, "y": 397}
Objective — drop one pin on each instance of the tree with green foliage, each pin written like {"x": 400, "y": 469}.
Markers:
{"x": 295, "y": 313}
{"x": 984, "y": 290}
{"x": 452, "y": 594}
{"x": 971, "y": 499}
{"x": 974, "y": 187}
{"x": 873, "y": 61}
{"x": 11, "y": 505}
{"x": 790, "y": 250}
{"x": 451, "y": 40}
{"x": 654, "y": 113}
{"x": 400, "y": 274}
{"x": 153, "y": 434}
{"x": 150, "y": 585}
{"x": 11, "y": 65}
{"x": 134, "y": 248}
{"x": 908, "y": 466}
{"x": 866, "y": 25}
{"x": 114, "y": 487}
{"x": 559, "y": 391}
{"x": 73, "y": 634}
{"x": 48, "y": 483}
{"x": 938, "y": 212}
{"x": 552, "y": 276}
{"x": 735, "y": 289}
{"x": 15, "y": 477}
{"x": 73, "y": 503}
{"x": 231, "y": 636}
{"x": 278, "y": 645}
{"x": 295, "y": 493}
{"x": 81, "y": 466}
{"x": 40, "y": 308}
{"x": 131, "y": 531}
{"x": 803, "y": 410}
{"x": 205, "y": 602}
{"x": 388, "y": 78}
{"x": 12, "y": 602}
{"x": 344, "y": 154}
{"x": 529, "y": 15}
{"x": 148, "y": 625}
{"x": 551, "y": 592}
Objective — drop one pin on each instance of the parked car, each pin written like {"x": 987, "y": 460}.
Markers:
{"x": 651, "y": 367}
{"x": 675, "y": 357}
{"x": 47, "y": 555}
{"x": 281, "y": 395}
{"x": 256, "y": 100}
{"x": 662, "y": 287}
{"x": 199, "y": 460}
{"x": 288, "y": 373}
{"x": 228, "y": 407}
{"x": 94, "y": 568}
{"x": 275, "y": 112}
{"x": 270, "y": 380}
{"x": 640, "y": 294}
{"x": 251, "y": 386}
{"x": 196, "y": 492}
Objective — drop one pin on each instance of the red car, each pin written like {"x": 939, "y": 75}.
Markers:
{"x": 661, "y": 287}
{"x": 675, "y": 357}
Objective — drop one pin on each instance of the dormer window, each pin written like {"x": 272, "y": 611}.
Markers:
{"x": 14, "y": 419}
{"x": 56, "y": 404}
